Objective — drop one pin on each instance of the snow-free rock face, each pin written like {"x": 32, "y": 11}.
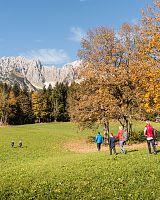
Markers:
{"x": 66, "y": 74}
{"x": 33, "y": 74}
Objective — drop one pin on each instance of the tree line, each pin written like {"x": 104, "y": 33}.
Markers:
{"x": 19, "y": 106}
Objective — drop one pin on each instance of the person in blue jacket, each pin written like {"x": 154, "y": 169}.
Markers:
{"x": 99, "y": 141}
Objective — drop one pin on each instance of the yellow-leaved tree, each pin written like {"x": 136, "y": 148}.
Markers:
{"x": 120, "y": 74}
{"x": 149, "y": 50}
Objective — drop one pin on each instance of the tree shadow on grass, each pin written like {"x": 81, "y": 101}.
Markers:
{"x": 130, "y": 151}
{"x": 17, "y": 147}
{"x": 127, "y": 151}
{"x": 158, "y": 151}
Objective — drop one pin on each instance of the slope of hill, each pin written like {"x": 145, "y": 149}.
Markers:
{"x": 45, "y": 169}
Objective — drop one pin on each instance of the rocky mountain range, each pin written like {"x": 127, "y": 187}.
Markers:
{"x": 33, "y": 74}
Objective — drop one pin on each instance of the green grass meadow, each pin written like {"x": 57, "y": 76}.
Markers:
{"x": 45, "y": 169}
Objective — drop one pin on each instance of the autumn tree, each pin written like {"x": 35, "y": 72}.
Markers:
{"x": 7, "y": 103}
{"x": 149, "y": 51}
{"x": 37, "y": 100}
{"x": 110, "y": 67}
{"x": 113, "y": 78}
{"x": 19, "y": 106}
{"x": 86, "y": 104}
{"x": 4, "y": 107}
{"x": 98, "y": 54}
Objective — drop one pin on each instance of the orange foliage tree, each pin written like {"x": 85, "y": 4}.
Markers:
{"x": 120, "y": 74}
{"x": 149, "y": 50}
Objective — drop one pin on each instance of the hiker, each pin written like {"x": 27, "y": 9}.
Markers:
{"x": 149, "y": 134}
{"x": 111, "y": 142}
{"x": 121, "y": 139}
{"x": 99, "y": 141}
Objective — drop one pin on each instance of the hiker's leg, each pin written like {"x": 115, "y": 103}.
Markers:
{"x": 121, "y": 147}
{"x": 114, "y": 150}
{"x": 149, "y": 146}
{"x": 110, "y": 149}
{"x": 100, "y": 146}
{"x": 154, "y": 146}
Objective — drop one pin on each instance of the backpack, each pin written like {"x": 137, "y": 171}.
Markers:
{"x": 125, "y": 136}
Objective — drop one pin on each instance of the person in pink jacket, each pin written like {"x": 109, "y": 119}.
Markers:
{"x": 121, "y": 139}
{"x": 149, "y": 134}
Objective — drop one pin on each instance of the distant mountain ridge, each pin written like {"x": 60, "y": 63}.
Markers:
{"x": 31, "y": 73}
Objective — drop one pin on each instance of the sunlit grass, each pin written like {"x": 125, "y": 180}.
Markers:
{"x": 45, "y": 169}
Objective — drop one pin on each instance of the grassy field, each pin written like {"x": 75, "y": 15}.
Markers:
{"x": 45, "y": 169}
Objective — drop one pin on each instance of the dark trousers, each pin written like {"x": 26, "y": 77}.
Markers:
{"x": 99, "y": 146}
{"x": 112, "y": 148}
{"x": 149, "y": 142}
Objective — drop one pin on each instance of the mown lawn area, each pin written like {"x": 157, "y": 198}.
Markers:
{"x": 45, "y": 169}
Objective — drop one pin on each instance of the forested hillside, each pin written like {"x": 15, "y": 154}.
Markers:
{"x": 19, "y": 106}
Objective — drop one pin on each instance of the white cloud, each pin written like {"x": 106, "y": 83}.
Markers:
{"x": 48, "y": 56}
{"x": 77, "y": 34}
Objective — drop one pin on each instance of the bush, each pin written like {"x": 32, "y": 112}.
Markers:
{"x": 136, "y": 137}
{"x": 139, "y": 137}
{"x": 90, "y": 139}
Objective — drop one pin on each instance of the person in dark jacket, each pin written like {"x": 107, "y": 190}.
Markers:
{"x": 111, "y": 142}
{"x": 99, "y": 141}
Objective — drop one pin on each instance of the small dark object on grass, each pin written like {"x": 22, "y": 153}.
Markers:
{"x": 20, "y": 143}
{"x": 12, "y": 144}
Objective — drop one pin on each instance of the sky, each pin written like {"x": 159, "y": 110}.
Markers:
{"x": 51, "y": 30}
